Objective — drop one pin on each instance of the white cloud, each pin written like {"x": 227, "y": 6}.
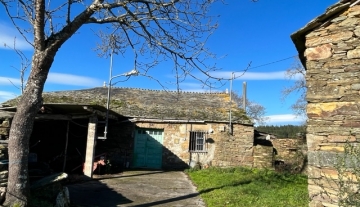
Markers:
{"x": 9, "y": 81}
{"x": 278, "y": 75}
{"x": 261, "y": 76}
{"x": 74, "y": 80}
{"x": 59, "y": 78}
{"x": 284, "y": 119}
{"x": 8, "y": 35}
{"x": 5, "y": 95}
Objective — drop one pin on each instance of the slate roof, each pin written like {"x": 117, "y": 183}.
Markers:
{"x": 154, "y": 104}
{"x": 298, "y": 37}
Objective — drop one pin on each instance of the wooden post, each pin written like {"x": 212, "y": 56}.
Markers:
{"x": 66, "y": 145}
{"x": 90, "y": 147}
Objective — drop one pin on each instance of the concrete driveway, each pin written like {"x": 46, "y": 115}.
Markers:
{"x": 136, "y": 189}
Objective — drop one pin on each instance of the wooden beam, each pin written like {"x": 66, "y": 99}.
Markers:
{"x": 90, "y": 147}
{"x": 6, "y": 114}
{"x": 53, "y": 116}
{"x": 100, "y": 113}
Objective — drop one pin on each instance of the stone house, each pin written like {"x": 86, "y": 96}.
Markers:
{"x": 146, "y": 128}
{"x": 329, "y": 49}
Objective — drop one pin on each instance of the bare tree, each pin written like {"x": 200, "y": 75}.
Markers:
{"x": 161, "y": 29}
{"x": 254, "y": 110}
{"x": 24, "y": 66}
{"x": 297, "y": 73}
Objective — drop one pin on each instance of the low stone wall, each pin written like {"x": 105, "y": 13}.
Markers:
{"x": 286, "y": 149}
{"x": 263, "y": 154}
{"x": 290, "y": 155}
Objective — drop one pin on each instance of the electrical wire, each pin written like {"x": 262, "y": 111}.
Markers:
{"x": 270, "y": 63}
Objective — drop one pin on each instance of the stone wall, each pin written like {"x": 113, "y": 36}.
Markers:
{"x": 223, "y": 150}
{"x": 287, "y": 149}
{"x": 290, "y": 155}
{"x": 4, "y": 128}
{"x": 4, "y": 134}
{"x": 263, "y": 154}
{"x": 3, "y": 166}
{"x": 333, "y": 83}
{"x": 234, "y": 150}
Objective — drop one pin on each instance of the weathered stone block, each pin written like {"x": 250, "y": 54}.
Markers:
{"x": 341, "y": 63}
{"x": 313, "y": 141}
{"x": 331, "y": 148}
{"x": 357, "y": 32}
{"x": 343, "y": 47}
{"x": 332, "y": 38}
{"x": 5, "y": 123}
{"x": 351, "y": 123}
{"x": 339, "y": 138}
{"x": 355, "y": 86}
{"x": 350, "y": 22}
{"x": 339, "y": 56}
{"x": 332, "y": 108}
{"x": 322, "y": 159}
{"x": 339, "y": 19}
{"x": 319, "y": 52}
{"x": 4, "y": 131}
{"x": 317, "y": 33}
{"x": 353, "y": 53}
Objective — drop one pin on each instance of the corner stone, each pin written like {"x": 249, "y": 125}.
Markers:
{"x": 318, "y": 53}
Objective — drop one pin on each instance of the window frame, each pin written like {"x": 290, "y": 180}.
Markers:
{"x": 197, "y": 141}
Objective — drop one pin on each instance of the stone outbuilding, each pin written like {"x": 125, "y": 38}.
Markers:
{"x": 329, "y": 48}
{"x": 146, "y": 128}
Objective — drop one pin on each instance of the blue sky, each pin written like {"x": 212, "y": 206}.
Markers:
{"x": 248, "y": 32}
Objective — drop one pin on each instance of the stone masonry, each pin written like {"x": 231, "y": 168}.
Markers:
{"x": 4, "y": 128}
{"x": 223, "y": 149}
{"x": 4, "y": 134}
{"x": 263, "y": 156}
{"x": 329, "y": 47}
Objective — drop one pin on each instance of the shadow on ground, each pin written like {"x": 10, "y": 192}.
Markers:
{"x": 136, "y": 189}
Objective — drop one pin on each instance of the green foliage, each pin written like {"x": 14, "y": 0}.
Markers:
{"x": 246, "y": 187}
{"x": 285, "y": 131}
{"x": 348, "y": 170}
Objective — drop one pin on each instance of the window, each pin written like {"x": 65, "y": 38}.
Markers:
{"x": 197, "y": 142}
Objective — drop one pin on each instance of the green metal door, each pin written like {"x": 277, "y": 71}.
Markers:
{"x": 148, "y": 148}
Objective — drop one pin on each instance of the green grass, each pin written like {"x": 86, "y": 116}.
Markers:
{"x": 242, "y": 187}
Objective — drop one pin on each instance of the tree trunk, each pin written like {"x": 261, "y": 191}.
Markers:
{"x": 21, "y": 129}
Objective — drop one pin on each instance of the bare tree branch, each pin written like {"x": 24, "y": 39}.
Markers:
{"x": 254, "y": 110}
{"x": 24, "y": 65}
{"x": 296, "y": 73}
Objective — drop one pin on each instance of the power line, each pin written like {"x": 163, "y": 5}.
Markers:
{"x": 248, "y": 68}
{"x": 272, "y": 62}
